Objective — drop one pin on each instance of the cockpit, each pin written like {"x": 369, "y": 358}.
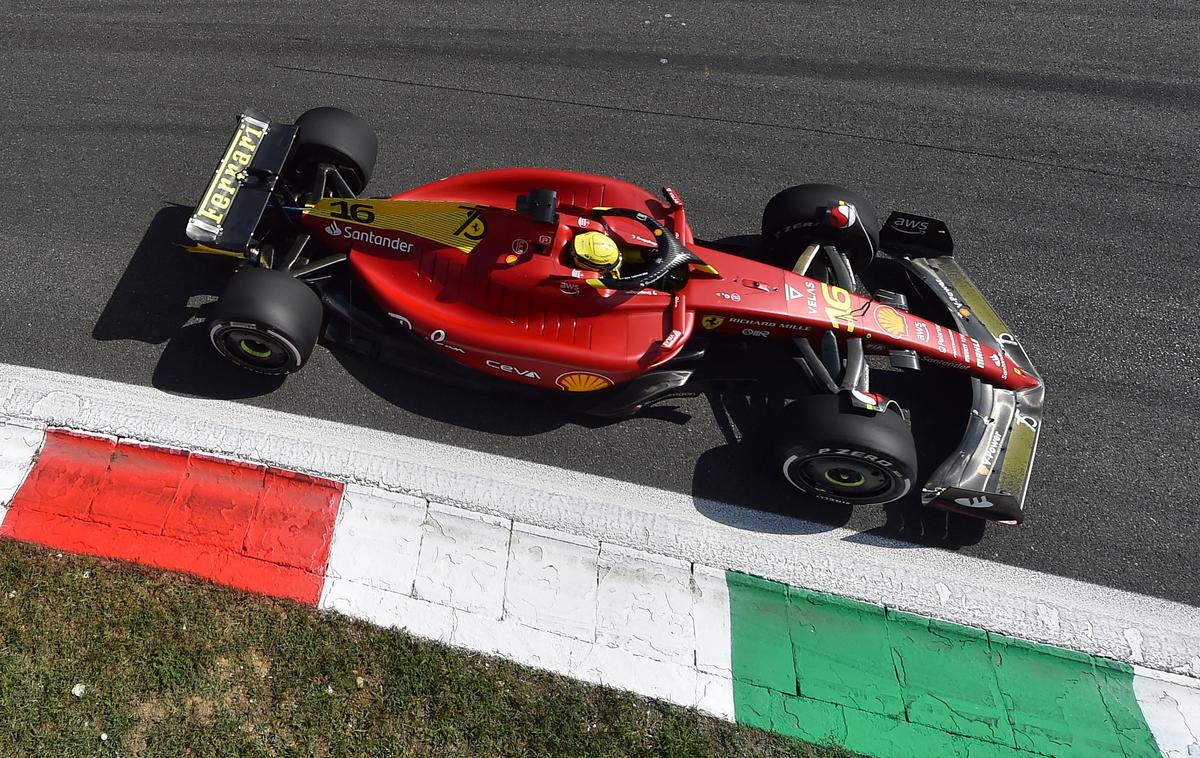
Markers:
{"x": 619, "y": 251}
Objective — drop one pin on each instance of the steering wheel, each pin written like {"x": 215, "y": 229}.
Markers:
{"x": 671, "y": 252}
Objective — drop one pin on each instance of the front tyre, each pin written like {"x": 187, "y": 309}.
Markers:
{"x": 796, "y": 217}
{"x": 831, "y": 450}
{"x": 266, "y": 321}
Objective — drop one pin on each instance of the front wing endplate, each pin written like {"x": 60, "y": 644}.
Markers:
{"x": 988, "y": 473}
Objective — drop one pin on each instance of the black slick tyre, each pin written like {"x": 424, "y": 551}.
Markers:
{"x": 831, "y": 450}
{"x": 338, "y": 137}
{"x": 795, "y": 218}
{"x": 266, "y": 321}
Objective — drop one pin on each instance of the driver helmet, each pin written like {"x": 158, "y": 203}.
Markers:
{"x": 595, "y": 251}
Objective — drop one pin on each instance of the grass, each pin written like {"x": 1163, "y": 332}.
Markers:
{"x": 174, "y": 666}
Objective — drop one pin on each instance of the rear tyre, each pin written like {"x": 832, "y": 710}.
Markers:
{"x": 829, "y": 449}
{"x": 266, "y": 321}
{"x": 795, "y": 218}
{"x": 337, "y": 137}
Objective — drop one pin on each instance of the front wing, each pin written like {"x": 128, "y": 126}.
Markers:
{"x": 988, "y": 473}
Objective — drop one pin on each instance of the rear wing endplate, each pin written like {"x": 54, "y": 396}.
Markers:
{"x": 233, "y": 203}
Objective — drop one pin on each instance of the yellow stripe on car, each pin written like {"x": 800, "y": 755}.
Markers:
{"x": 455, "y": 225}
{"x": 1017, "y": 459}
{"x": 198, "y": 247}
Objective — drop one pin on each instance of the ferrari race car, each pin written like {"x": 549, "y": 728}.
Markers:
{"x": 592, "y": 288}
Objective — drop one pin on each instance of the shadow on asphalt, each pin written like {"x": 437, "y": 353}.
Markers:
{"x": 162, "y": 297}
{"x": 157, "y": 293}
{"x": 911, "y": 525}
{"x": 769, "y": 504}
{"x": 190, "y": 366}
{"x": 766, "y": 503}
{"x": 503, "y": 411}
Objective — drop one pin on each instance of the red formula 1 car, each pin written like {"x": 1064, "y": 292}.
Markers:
{"x": 591, "y": 287}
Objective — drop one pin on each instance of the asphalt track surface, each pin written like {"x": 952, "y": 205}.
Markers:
{"x": 1058, "y": 140}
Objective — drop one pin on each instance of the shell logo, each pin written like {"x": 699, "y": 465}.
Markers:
{"x": 890, "y": 321}
{"x": 583, "y": 381}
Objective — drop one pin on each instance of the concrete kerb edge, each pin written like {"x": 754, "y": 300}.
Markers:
{"x": 922, "y": 581}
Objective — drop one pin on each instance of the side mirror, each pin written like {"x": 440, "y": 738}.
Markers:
{"x": 540, "y": 204}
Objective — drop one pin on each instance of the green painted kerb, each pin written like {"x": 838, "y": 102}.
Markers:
{"x": 880, "y": 682}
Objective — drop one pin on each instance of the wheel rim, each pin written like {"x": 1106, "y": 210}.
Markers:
{"x": 255, "y": 349}
{"x": 845, "y": 477}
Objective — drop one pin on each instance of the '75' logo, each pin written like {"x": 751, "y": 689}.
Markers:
{"x": 474, "y": 228}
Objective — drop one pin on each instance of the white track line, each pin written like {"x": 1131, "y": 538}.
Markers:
{"x": 1138, "y": 629}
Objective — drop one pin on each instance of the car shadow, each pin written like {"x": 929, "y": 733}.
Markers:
{"x": 190, "y": 366}
{"x": 163, "y": 296}
{"x": 487, "y": 405}
{"x": 500, "y": 411}
{"x": 909, "y": 524}
{"x": 162, "y": 286}
{"x": 938, "y": 402}
{"x": 769, "y": 504}
{"x": 766, "y": 503}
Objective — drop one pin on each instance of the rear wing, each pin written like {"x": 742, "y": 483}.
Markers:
{"x": 233, "y": 204}
{"x": 988, "y": 473}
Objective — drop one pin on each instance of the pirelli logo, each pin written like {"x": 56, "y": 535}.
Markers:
{"x": 205, "y": 224}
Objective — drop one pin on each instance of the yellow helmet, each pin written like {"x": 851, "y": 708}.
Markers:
{"x": 595, "y": 251}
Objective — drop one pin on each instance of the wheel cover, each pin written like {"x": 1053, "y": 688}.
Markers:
{"x": 845, "y": 477}
{"x": 255, "y": 349}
